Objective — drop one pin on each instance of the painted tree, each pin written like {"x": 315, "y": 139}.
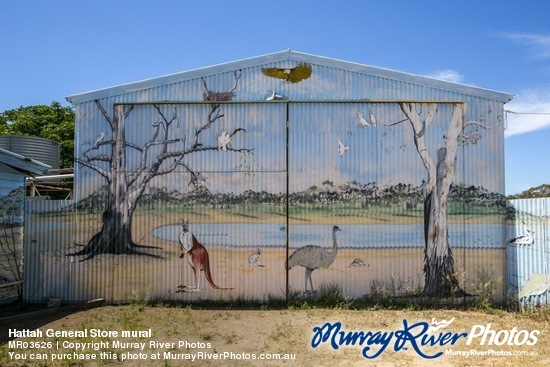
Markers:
{"x": 439, "y": 273}
{"x": 159, "y": 156}
{"x": 11, "y": 237}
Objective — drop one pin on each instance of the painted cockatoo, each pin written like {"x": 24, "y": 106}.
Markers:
{"x": 372, "y": 119}
{"x": 223, "y": 140}
{"x": 99, "y": 139}
{"x": 362, "y": 121}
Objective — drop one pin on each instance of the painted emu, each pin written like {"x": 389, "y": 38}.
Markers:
{"x": 313, "y": 257}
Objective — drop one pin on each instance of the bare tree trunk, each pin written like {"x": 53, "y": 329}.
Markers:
{"x": 439, "y": 274}
{"x": 119, "y": 186}
{"x": 124, "y": 187}
{"x": 115, "y": 236}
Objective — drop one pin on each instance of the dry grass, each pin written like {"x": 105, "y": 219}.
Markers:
{"x": 286, "y": 332}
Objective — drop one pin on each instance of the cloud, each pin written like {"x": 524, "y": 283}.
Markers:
{"x": 539, "y": 43}
{"x": 447, "y": 75}
{"x": 530, "y": 111}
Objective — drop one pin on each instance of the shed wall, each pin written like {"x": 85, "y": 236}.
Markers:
{"x": 12, "y": 193}
{"x": 270, "y": 178}
{"x": 528, "y": 234}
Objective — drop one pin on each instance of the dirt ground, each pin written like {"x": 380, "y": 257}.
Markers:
{"x": 173, "y": 336}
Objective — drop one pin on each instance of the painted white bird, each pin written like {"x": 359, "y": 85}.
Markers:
{"x": 527, "y": 239}
{"x": 341, "y": 148}
{"x": 274, "y": 97}
{"x": 223, "y": 140}
{"x": 99, "y": 139}
{"x": 372, "y": 119}
{"x": 362, "y": 120}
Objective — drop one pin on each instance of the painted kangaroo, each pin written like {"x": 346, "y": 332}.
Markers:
{"x": 197, "y": 257}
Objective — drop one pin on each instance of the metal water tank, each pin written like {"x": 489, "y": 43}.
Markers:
{"x": 40, "y": 149}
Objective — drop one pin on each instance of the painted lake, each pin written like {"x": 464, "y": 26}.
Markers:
{"x": 486, "y": 236}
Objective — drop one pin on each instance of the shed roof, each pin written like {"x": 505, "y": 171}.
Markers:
{"x": 294, "y": 56}
{"x": 27, "y": 166}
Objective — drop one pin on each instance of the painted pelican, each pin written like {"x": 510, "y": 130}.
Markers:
{"x": 527, "y": 239}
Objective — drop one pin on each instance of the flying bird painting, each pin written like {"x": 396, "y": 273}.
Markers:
{"x": 341, "y": 148}
{"x": 292, "y": 75}
{"x": 274, "y": 97}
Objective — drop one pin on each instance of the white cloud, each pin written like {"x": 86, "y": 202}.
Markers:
{"x": 539, "y": 43}
{"x": 531, "y": 112}
{"x": 447, "y": 75}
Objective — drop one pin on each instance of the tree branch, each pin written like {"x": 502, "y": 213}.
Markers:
{"x": 419, "y": 127}
{"x": 107, "y": 175}
{"x": 475, "y": 123}
{"x": 105, "y": 114}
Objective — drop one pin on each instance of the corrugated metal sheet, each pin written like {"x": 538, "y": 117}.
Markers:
{"x": 49, "y": 272}
{"x": 256, "y": 177}
{"x": 373, "y": 191}
{"x": 344, "y": 80}
{"x": 43, "y": 150}
{"x": 528, "y": 250}
{"x": 12, "y": 194}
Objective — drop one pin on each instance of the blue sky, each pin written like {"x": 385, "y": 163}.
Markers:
{"x": 53, "y": 49}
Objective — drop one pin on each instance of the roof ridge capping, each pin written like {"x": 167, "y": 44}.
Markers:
{"x": 28, "y": 165}
{"x": 284, "y": 56}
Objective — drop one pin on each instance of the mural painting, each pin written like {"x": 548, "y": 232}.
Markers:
{"x": 226, "y": 198}
{"x": 529, "y": 251}
{"x": 11, "y": 240}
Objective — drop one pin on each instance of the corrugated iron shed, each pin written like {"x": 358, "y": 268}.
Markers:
{"x": 265, "y": 156}
{"x": 373, "y": 83}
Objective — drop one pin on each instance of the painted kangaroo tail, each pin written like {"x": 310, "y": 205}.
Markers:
{"x": 207, "y": 273}
{"x": 205, "y": 262}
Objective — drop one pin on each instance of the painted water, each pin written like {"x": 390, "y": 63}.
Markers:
{"x": 486, "y": 236}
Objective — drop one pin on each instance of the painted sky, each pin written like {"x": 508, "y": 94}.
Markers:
{"x": 58, "y": 48}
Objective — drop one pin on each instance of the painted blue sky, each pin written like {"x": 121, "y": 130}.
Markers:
{"x": 54, "y": 49}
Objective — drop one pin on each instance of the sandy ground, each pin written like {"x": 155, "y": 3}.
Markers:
{"x": 122, "y": 277}
{"x": 284, "y": 332}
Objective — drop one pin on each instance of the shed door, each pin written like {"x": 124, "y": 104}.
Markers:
{"x": 341, "y": 156}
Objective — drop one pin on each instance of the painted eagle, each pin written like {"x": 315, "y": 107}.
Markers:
{"x": 293, "y": 75}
